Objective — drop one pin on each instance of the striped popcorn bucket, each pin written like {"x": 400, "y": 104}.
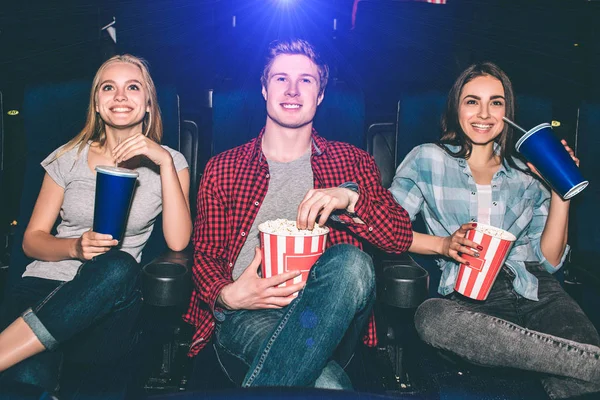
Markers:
{"x": 476, "y": 279}
{"x": 289, "y": 252}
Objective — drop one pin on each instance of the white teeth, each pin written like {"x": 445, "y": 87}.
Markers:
{"x": 482, "y": 126}
{"x": 291, "y": 105}
{"x": 119, "y": 109}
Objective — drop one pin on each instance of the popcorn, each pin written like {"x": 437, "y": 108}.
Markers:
{"x": 496, "y": 232}
{"x": 285, "y": 227}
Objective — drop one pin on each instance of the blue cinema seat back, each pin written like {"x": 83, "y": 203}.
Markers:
{"x": 584, "y": 231}
{"x": 53, "y": 114}
{"x": 586, "y": 234}
{"x": 240, "y": 113}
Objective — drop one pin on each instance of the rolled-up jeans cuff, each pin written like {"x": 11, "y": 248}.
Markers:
{"x": 39, "y": 329}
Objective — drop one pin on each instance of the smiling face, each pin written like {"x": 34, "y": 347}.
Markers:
{"x": 292, "y": 91}
{"x": 482, "y": 106}
{"x": 121, "y": 98}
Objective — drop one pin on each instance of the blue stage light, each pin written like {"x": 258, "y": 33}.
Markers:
{"x": 284, "y": 3}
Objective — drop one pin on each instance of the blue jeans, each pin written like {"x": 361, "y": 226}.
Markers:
{"x": 306, "y": 343}
{"x": 89, "y": 320}
{"x": 551, "y": 336}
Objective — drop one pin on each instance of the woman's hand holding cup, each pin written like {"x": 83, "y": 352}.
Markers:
{"x": 92, "y": 244}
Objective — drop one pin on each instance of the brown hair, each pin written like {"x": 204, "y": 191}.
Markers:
{"x": 452, "y": 132}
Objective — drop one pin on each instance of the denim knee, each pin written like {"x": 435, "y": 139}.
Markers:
{"x": 115, "y": 268}
{"x": 40, "y": 372}
{"x": 432, "y": 319}
{"x": 352, "y": 267}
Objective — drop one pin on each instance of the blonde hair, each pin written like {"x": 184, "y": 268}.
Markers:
{"x": 94, "y": 128}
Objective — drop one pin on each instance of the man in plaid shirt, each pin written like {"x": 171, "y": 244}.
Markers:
{"x": 264, "y": 335}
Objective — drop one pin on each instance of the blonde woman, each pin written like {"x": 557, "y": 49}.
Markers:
{"x": 80, "y": 297}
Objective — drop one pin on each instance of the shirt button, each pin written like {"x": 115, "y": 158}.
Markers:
{"x": 256, "y": 203}
{"x": 212, "y": 324}
{"x": 370, "y": 229}
{"x": 243, "y": 234}
{"x": 495, "y": 203}
{"x": 231, "y": 264}
{"x": 472, "y": 219}
{"x": 267, "y": 176}
{"x": 473, "y": 193}
{"x": 494, "y": 186}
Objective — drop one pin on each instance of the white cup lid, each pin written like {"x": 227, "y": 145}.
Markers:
{"x": 117, "y": 171}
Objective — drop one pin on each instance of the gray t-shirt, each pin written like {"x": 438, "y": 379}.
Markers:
{"x": 73, "y": 174}
{"x": 288, "y": 185}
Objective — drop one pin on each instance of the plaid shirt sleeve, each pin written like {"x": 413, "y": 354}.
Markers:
{"x": 541, "y": 207}
{"x": 210, "y": 272}
{"x": 386, "y": 224}
{"x": 210, "y": 233}
{"x": 405, "y": 188}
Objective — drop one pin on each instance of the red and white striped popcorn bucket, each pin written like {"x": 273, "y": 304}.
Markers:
{"x": 290, "y": 250}
{"x": 476, "y": 279}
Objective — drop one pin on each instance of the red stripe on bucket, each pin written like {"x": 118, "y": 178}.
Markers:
{"x": 273, "y": 248}
{"x": 290, "y": 246}
{"x": 495, "y": 266}
{"x": 485, "y": 243}
{"x": 307, "y": 244}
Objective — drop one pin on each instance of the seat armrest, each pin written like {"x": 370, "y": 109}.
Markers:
{"x": 582, "y": 268}
{"x": 382, "y": 259}
{"x": 184, "y": 257}
{"x": 167, "y": 280}
{"x": 401, "y": 281}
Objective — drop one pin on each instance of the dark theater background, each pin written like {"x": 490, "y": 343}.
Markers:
{"x": 546, "y": 46}
{"x": 378, "y": 48}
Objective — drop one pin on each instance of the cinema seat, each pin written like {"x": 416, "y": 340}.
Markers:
{"x": 584, "y": 235}
{"x": 53, "y": 114}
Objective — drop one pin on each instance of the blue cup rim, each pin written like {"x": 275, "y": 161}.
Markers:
{"x": 576, "y": 189}
{"x": 531, "y": 132}
{"x": 117, "y": 171}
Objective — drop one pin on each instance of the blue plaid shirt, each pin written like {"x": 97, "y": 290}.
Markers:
{"x": 442, "y": 188}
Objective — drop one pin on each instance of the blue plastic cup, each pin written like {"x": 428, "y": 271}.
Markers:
{"x": 549, "y": 156}
{"x": 114, "y": 192}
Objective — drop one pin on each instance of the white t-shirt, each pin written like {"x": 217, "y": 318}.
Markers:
{"x": 484, "y": 203}
{"x": 72, "y": 172}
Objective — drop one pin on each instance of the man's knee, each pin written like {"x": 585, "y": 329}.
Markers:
{"x": 352, "y": 267}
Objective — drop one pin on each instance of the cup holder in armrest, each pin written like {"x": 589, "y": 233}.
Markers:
{"x": 404, "y": 285}
{"x": 165, "y": 284}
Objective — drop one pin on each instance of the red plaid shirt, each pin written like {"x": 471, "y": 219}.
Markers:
{"x": 233, "y": 187}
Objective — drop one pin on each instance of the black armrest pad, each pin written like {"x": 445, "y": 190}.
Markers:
{"x": 381, "y": 259}
{"x": 184, "y": 257}
{"x": 583, "y": 268}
